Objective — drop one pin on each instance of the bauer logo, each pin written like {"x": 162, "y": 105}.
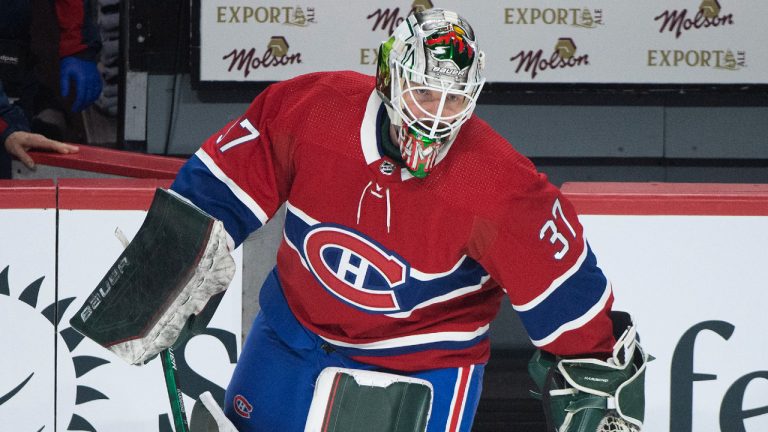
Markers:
{"x": 354, "y": 268}
{"x": 583, "y": 17}
{"x": 276, "y": 54}
{"x": 104, "y": 288}
{"x": 535, "y": 62}
{"x": 709, "y": 15}
{"x": 300, "y": 16}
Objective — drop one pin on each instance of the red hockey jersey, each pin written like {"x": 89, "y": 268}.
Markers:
{"x": 396, "y": 271}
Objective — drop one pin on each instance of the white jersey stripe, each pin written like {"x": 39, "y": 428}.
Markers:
{"x": 465, "y": 396}
{"x": 440, "y": 299}
{"x": 459, "y": 399}
{"x": 413, "y": 340}
{"x": 241, "y": 195}
{"x": 416, "y": 274}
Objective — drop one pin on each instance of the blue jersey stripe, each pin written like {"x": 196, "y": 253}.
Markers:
{"x": 196, "y": 183}
{"x": 572, "y": 300}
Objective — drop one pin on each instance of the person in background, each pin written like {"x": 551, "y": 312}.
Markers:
{"x": 31, "y": 110}
{"x": 79, "y": 47}
{"x": 16, "y": 138}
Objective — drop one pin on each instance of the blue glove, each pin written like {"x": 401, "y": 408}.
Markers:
{"x": 87, "y": 80}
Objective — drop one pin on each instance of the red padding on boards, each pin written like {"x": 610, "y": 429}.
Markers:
{"x": 697, "y": 199}
{"x": 108, "y": 194}
{"x": 113, "y": 162}
{"x": 27, "y": 194}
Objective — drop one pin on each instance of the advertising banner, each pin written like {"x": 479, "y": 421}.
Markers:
{"x": 692, "y": 272}
{"x": 54, "y": 379}
{"x": 534, "y": 41}
{"x": 27, "y": 305}
{"x": 696, "y": 287}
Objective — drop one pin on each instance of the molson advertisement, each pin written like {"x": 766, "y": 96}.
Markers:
{"x": 529, "y": 41}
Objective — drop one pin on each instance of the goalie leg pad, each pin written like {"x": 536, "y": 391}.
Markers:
{"x": 588, "y": 395}
{"x": 176, "y": 262}
{"x": 347, "y": 400}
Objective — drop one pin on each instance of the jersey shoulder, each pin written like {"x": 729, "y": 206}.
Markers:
{"x": 484, "y": 155}
{"x": 323, "y": 88}
{"x": 312, "y": 103}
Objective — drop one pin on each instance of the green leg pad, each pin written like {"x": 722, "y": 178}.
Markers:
{"x": 399, "y": 407}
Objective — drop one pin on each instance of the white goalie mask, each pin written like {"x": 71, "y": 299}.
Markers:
{"x": 429, "y": 75}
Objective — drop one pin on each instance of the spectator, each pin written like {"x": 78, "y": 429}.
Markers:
{"x": 78, "y": 48}
{"x": 80, "y": 80}
{"x": 17, "y": 139}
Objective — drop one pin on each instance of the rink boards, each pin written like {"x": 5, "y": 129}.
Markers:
{"x": 53, "y": 378}
{"x": 686, "y": 260}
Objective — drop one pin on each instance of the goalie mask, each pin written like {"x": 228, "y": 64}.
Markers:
{"x": 429, "y": 76}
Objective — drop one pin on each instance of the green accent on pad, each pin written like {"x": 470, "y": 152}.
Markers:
{"x": 631, "y": 397}
{"x": 399, "y": 407}
{"x": 588, "y": 410}
{"x": 148, "y": 274}
{"x": 539, "y": 366}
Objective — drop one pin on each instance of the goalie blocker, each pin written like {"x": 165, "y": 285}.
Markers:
{"x": 160, "y": 285}
{"x": 590, "y": 395}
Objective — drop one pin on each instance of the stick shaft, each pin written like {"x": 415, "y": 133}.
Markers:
{"x": 175, "y": 396}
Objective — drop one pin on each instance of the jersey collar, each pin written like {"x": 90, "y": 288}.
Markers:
{"x": 370, "y": 138}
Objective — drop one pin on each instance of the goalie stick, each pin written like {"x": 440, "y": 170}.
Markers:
{"x": 172, "y": 386}
{"x": 195, "y": 325}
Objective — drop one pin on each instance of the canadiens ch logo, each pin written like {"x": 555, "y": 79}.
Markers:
{"x": 242, "y": 407}
{"x": 354, "y": 268}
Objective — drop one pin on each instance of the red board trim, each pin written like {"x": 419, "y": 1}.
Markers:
{"x": 695, "y": 199}
{"x": 27, "y": 194}
{"x": 108, "y": 194}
